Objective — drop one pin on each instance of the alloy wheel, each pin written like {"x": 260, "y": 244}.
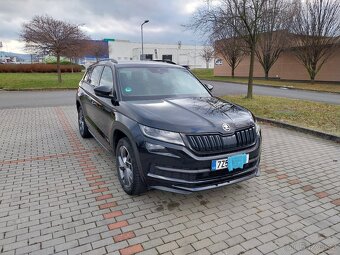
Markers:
{"x": 125, "y": 166}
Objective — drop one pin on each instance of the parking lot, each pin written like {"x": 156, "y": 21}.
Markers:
{"x": 59, "y": 194}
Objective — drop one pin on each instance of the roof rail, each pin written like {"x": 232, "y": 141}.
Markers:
{"x": 170, "y": 62}
{"x": 108, "y": 59}
{"x": 164, "y": 60}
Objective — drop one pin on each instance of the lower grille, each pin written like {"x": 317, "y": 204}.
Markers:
{"x": 217, "y": 143}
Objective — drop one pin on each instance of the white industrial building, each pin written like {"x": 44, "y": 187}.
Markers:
{"x": 189, "y": 55}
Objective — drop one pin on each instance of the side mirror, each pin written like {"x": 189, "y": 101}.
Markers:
{"x": 209, "y": 86}
{"x": 103, "y": 91}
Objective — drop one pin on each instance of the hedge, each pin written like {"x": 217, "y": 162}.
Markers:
{"x": 37, "y": 68}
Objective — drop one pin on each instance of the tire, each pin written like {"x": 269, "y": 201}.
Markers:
{"x": 83, "y": 129}
{"x": 127, "y": 168}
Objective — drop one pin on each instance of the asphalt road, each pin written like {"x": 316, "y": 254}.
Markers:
{"x": 22, "y": 99}
{"x": 19, "y": 99}
{"x": 224, "y": 88}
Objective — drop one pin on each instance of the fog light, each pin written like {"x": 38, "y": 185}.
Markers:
{"x": 154, "y": 147}
{"x": 159, "y": 150}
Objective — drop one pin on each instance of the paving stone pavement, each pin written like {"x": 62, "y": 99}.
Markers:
{"x": 59, "y": 194}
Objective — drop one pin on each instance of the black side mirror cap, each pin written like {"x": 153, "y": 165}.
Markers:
{"x": 209, "y": 86}
{"x": 103, "y": 91}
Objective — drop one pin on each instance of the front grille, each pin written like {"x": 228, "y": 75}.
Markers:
{"x": 216, "y": 143}
{"x": 245, "y": 137}
{"x": 206, "y": 142}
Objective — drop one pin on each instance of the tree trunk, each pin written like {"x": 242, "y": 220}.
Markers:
{"x": 312, "y": 75}
{"x": 207, "y": 64}
{"x": 71, "y": 65}
{"x": 251, "y": 73}
{"x": 233, "y": 71}
{"x": 266, "y": 74}
{"x": 58, "y": 68}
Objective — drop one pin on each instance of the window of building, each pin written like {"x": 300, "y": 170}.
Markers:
{"x": 148, "y": 56}
{"x": 167, "y": 57}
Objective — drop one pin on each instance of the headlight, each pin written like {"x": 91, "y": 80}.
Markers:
{"x": 257, "y": 128}
{"x": 162, "y": 135}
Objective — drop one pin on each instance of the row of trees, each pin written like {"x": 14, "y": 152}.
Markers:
{"x": 263, "y": 29}
{"x": 48, "y": 36}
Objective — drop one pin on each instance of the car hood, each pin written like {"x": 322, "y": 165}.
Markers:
{"x": 189, "y": 115}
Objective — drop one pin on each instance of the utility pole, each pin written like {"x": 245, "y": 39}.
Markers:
{"x": 141, "y": 31}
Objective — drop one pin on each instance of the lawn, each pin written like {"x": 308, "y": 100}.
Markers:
{"x": 28, "y": 81}
{"x": 313, "y": 115}
{"x": 207, "y": 74}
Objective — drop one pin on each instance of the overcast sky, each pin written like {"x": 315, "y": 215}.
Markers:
{"x": 119, "y": 19}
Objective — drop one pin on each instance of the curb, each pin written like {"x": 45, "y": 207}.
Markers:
{"x": 322, "y": 135}
{"x": 277, "y": 87}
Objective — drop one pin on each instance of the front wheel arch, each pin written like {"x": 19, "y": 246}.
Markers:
{"x": 117, "y": 135}
{"x": 120, "y": 132}
{"x": 137, "y": 185}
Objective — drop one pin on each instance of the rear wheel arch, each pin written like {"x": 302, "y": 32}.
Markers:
{"x": 83, "y": 128}
{"x": 78, "y": 105}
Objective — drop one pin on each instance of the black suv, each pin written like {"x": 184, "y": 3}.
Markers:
{"x": 165, "y": 128}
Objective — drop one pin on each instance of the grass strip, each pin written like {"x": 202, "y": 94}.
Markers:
{"x": 29, "y": 81}
{"x": 317, "y": 116}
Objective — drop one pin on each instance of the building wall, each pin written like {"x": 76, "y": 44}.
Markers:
{"x": 287, "y": 67}
{"x": 186, "y": 55}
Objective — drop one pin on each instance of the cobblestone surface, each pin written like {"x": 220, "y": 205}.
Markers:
{"x": 59, "y": 194}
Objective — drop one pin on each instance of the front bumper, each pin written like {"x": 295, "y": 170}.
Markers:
{"x": 176, "y": 168}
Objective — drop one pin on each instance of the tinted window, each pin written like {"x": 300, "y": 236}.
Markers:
{"x": 107, "y": 78}
{"x": 87, "y": 75}
{"x": 95, "y": 76}
{"x": 158, "y": 82}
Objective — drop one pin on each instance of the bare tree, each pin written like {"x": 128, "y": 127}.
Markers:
{"x": 54, "y": 37}
{"x": 98, "y": 49}
{"x": 207, "y": 54}
{"x": 316, "y": 27}
{"x": 274, "y": 37}
{"x": 77, "y": 51}
{"x": 245, "y": 18}
{"x": 242, "y": 17}
{"x": 269, "y": 49}
{"x": 230, "y": 47}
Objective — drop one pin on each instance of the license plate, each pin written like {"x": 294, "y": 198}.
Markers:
{"x": 232, "y": 162}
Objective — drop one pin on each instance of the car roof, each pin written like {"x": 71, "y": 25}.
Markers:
{"x": 141, "y": 63}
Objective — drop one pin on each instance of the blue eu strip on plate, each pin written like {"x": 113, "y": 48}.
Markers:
{"x": 213, "y": 165}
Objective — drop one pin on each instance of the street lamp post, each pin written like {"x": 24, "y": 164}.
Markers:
{"x": 141, "y": 31}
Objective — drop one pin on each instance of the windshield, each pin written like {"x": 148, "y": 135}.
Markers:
{"x": 140, "y": 83}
